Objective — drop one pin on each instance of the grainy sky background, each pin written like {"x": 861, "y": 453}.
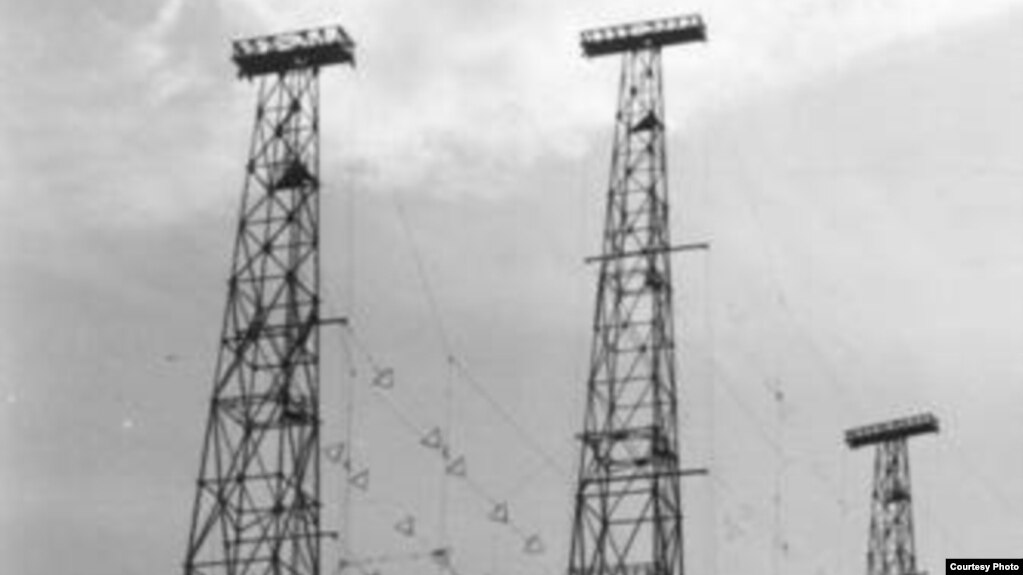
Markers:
{"x": 855, "y": 164}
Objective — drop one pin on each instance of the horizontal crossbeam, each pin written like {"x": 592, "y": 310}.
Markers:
{"x": 648, "y": 252}
{"x": 303, "y": 49}
{"x": 660, "y": 474}
{"x": 891, "y": 430}
{"x": 339, "y": 321}
{"x": 643, "y": 35}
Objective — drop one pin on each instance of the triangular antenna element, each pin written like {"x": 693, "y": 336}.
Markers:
{"x": 433, "y": 439}
{"x": 406, "y": 526}
{"x": 334, "y": 452}
{"x": 534, "y": 545}
{"x": 384, "y": 378}
{"x": 499, "y": 513}
{"x": 360, "y": 480}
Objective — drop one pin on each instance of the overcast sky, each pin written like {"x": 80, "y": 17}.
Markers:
{"x": 855, "y": 165}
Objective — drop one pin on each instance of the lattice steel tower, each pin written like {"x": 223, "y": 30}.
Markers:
{"x": 628, "y": 516}
{"x": 257, "y": 503}
{"x": 891, "y": 549}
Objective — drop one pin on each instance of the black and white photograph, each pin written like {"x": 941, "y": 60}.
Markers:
{"x": 511, "y": 287}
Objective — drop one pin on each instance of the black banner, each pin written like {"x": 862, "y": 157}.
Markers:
{"x": 967, "y": 566}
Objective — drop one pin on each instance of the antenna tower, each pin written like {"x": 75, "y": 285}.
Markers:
{"x": 257, "y": 502}
{"x": 891, "y": 549}
{"x": 628, "y": 515}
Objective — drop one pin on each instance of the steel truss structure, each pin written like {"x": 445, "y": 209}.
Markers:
{"x": 892, "y": 547}
{"x": 628, "y": 514}
{"x": 257, "y": 502}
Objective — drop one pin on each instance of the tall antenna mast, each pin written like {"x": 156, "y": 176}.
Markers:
{"x": 628, "y": 514}
{"x": 892, "y": 547}
{"x": 257, "y": 502}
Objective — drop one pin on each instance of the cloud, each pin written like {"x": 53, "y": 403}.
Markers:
{"x": 127, "y": 100}
{"x": 150, "y": 47}
{"x": 451, "y": 98}
{"x": 456, "y": 97}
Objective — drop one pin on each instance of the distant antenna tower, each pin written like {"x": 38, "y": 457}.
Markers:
{"x": 257, "y": 502}
{"x": 628, "y": 515}
{"x": 891, "y": 550}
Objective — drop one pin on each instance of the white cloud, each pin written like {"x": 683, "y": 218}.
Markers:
{"x": 463, "y": 94}
{"x": 454, "y": 97}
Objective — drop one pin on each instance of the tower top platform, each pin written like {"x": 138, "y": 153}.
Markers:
{"x": 643, "y": 35}
{"x": 891, "y": 430}
{"x": 312, "y": 48}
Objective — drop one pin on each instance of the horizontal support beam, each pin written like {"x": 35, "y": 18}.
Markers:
{"x": 290, "y": 51}
{"x": 643, "y": 35}
{"x": 646, "y": 476}
{"x": 891, "y": 430}
{"x": 287, "y": 537}
{"x": 648, "y": 252}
